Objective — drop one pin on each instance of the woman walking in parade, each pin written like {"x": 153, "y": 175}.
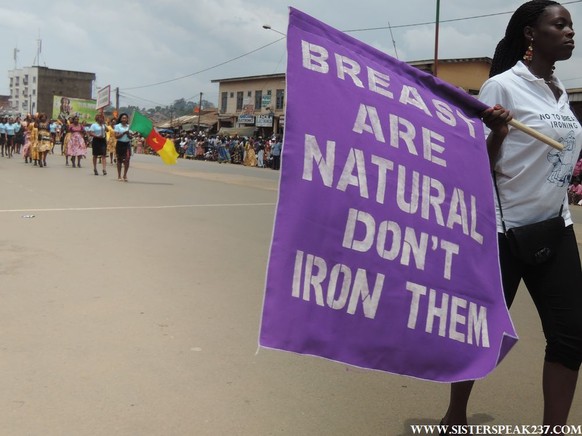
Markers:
{"x": 27, "y": 125}
{"x": 76, "y": 146}
{"x": 44, "y": 139}
{"x": 10, "y": 128}
{"x": 111, "y": 141}
{"x": 123, "y": 146}
{"x": 3, "y": 122}
{"x": 98, "y": 131}
{"x": 531, "y": 184}
{"x": 18, "y": 136}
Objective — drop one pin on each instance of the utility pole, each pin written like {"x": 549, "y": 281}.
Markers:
{"x": 117, "y": 99}
{"x": 199, "y": 111}
{"x": 436, "y": 40}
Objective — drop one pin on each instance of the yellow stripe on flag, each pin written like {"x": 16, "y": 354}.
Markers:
{"x": 168, "y": 153}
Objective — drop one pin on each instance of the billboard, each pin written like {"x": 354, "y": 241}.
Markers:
{"x": 65, "y": 107}
{"x": 103, "y": 97}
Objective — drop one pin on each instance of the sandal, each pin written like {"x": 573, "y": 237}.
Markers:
{"x": 95, "y": 172}
{"x": 104, "y": 172}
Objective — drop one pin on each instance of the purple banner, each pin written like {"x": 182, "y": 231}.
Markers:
{"x": 384, "y": 252}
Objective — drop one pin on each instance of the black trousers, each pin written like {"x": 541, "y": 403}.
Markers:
{"x": 556, "y": 290}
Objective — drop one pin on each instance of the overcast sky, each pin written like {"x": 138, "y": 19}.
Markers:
{"x": 134, "y": 44}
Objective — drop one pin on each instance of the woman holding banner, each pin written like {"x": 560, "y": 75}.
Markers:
{"x": 531, "y": 182}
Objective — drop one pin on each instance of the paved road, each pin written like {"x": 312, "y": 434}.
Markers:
{"x": 133, "y": 309}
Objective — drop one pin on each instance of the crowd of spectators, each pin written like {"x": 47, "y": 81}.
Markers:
{"x": 575, "y": 188}
{"x": 240, "y": 150}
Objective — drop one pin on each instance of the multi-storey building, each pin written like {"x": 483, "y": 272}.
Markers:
{"x": 256, "y": 104}
{"x": 252, "y": 105}
{"x": 32, "y": 88}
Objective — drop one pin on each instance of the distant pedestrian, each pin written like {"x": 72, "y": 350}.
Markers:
{"x": 111, "y": 141}
{"x": 76, "y": 146}
{"x": 43, "y": 139}
{"x": 98, "y": 131}
{"x": 276, "y": 153}
{"x": 123, "y": 147}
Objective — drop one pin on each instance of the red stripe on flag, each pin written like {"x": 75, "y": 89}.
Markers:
{"x": 155, "y": 140}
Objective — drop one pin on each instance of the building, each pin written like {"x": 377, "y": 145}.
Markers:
{"x": 256, "y": 104}
{"x": 467, "y": 73}
{"x": 253, "y": 105}
{"x": 32, "y": 88}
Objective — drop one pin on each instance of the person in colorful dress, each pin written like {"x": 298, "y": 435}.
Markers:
{"x": 76, "y": 146}
{"x": 44, "y": 139}
{"x": 111, "y": 141}
{"x": 250, "y": 155}
{"x": 27, "y": 125}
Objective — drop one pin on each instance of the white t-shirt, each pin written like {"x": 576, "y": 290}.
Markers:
{"x": 98, "y": 130}
{"x": 532, "y": 177}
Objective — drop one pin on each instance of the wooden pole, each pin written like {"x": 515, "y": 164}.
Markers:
{"x": 534, "y": 133}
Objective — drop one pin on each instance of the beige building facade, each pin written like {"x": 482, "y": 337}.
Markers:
{"x": 253, "y": 105}
{"x": 256, "y": 104}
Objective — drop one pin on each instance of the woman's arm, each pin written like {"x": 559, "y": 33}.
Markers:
{"x": 496, "y": 119}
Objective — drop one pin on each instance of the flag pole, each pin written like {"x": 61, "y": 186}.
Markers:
{"x": 537, "y": 135}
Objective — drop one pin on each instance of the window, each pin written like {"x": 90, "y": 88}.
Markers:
{"x": 249, "y": 93}
{"x": 269, "y": 92}
{"x": 33, "y": 79}
{"x": 17, "y": 80}
{"x": 280, "y": 99}
{"x": 231, "y": 94}
{"x": 239, "y": 100}
{"x": 258, "y": 100}
{"x": 223, "y": 102}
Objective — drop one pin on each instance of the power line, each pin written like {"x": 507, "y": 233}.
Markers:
{"x": 443, "y": 21}
{"x": 346, "y": 31}
{"x": 209, "y": 68}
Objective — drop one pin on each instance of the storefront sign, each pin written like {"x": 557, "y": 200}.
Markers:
{"x": 246, "y": 119}
{"x": 264, "y": 121}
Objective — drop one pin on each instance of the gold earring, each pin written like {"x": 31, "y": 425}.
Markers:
{"x": 528, "y": 56}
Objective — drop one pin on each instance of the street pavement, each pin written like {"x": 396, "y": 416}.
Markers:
{"x": 134, "y": 309}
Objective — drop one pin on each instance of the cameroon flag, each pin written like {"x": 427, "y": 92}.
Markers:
{"x": 164, "y": 147}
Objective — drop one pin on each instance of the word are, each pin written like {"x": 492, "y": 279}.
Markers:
{"x": 458, "y": 319}
{"x": 337, "y": 286}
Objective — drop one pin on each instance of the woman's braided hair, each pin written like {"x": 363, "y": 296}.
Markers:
{"x": 512, "y": 47}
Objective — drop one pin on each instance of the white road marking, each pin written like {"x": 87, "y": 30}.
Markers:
{"x": 177, "y": 206}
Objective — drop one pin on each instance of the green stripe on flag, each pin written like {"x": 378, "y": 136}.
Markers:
{"x": 141, "y": 124}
